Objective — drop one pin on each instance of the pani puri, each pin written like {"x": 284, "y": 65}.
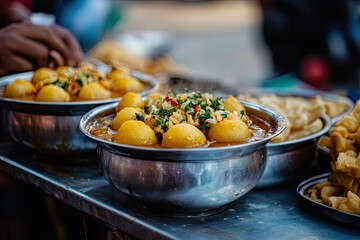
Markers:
{"x": 19, "y": 89}
{"x": 52, "y": 93}
{"x": 137, "y": 133}
{"x": 44, "y": 76}
{"x": 229, "y": 131}
{"x": 127, "y": 84}
{"x": 234, "y": 106}
{"x": 130, "y": 99}
{"x": 183, "y": 136}
{"x": 93, "y": 91}
{"x": 125, "y": 114}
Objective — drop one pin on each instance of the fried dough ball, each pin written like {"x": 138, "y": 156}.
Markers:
{"x": 117, "y": 74}
{"x": 130, "y": 99}
{"x": 229, "y": 131}
{"x": 125, "y": 114}
{"x": 20, "y": 89}
{"x": 93, "y": 91}
{"x": 127, "y": 84}
{"x": 183, "y": 136}
{"x": 52, "y": 93}
{"x": 233, "y": 105}
{"x": 123, "y": 82}
{"x": 136, "y": 133}
{"x": 43, "y": 76}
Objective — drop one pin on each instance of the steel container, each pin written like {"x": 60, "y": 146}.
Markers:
{"x": 183, "y": 182}
{"x": 289, "y": 159}
{"x": 52, "y": 127}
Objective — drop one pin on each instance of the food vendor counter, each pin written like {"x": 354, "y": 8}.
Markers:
{"x": 275, "y": 213}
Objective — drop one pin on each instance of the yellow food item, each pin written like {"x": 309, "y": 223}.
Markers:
{"x": 130, "y": 99}
{"x": 229, "y": 131}
{"x": 127, "y": 84}
{"x": 183, "y": 136}
{"x": 136, "y": 133}
{"x": 234, "y": 106}
{"x": 93, "y": 91}
{"x": 52, "y": 93}
{"x": 117, "y": 74}
{"x": 303, "y": 115}
{"x": 125, "y": 114}
{"x": 44, "y": 76}
{"x": 20, "y": 89}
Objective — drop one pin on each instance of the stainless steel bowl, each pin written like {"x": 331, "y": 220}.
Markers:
{"x": 52, "y": 127}
{"x": 183, "y": 182}
{"x": 288, "y": 160}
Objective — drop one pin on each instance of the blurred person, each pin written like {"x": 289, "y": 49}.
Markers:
{"x": 26, "y": 46}
{"x": 319, "y": 40}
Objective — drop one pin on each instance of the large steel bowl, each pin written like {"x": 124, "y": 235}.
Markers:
{"x": 290, "y": 159}
{"x": 183, "y": 182}
{"x": 52, "y": 127}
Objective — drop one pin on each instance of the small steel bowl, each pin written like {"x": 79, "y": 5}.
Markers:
{"x": 183, "y": 182}
{"x": 52, "y": 127}
{"x": 289, "y": 159}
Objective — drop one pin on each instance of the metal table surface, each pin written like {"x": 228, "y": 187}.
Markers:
{"x": 260, "y": 214}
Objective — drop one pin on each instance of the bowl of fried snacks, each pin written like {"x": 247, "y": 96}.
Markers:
{"x": 183, "y": 154}
{"x": 343, "y": 142}
{"x": 290, "y": 153}
{"x": 42, "y": 109}
{"x": 320, "y": 194}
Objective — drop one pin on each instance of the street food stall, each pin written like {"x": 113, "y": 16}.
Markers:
{"x": 150, "y": 150}
{"x": 275, "y": 207}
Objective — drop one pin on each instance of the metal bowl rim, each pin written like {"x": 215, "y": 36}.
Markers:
{"x": 280, "y": 120}
{"x": 154, "y": 85}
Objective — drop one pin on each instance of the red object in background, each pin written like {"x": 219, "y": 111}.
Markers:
{"x": 26, "y": 3}
{"x": 3, "y": 180}
{"x": 315, "y": 71}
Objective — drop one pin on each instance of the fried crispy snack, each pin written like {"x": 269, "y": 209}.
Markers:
{"x": 309, "y": 129}
{"x": 301, "y": 114}
{"x": 350, "y": 203}
{"x": 344, "y": 143}
{"x": 321, "y": 192}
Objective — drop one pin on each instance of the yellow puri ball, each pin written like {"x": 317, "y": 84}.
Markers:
{"x": 19, "y": 89}
{"x": 43, "y": 76}
{"x": 52, "y": 93}
{"x": 229, "y": 131}
{"x": 93, "y": 91}
{"x": 130, "y": 99}
{"x": 183, "y": 136}
{"x": 125, "y": 114}
{"x": 127, "y": 84}
{"x": 117, "y": 74}
{"x": 233, "y": 105}
{"x": 136, "y": 133}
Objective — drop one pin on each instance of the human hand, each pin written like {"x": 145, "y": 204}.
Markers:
{"x": 25, "y": 47}
{"x": 13, "y": 13}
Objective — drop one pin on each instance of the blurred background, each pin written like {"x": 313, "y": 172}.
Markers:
{"x": 220, "y": 40}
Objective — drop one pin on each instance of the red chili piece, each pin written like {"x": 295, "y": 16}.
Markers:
{"x": 172, "y": 101}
